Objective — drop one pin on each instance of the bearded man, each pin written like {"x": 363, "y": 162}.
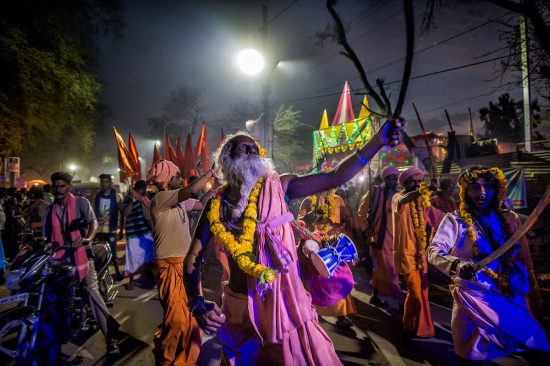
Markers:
{"x": 412, "y": 212}
{"x": 375, "y": 219}
{"x": 267, "y": 316}
{"x": 492, "y": 310}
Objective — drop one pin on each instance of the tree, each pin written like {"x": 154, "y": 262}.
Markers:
{"x": 504, "y": 120}
{"x": 180, "y": 112}
{"x": 48, "y": 88}
{"x": 289, "y": 145}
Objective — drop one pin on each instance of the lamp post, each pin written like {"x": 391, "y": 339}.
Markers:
{"x": 73, "y": 168}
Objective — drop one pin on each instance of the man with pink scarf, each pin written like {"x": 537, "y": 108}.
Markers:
{"x": 267, "y": 323}
{"x": 493, "y": 308}
{"x": 66, "y": 208}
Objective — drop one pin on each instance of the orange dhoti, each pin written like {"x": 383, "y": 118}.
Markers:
{"x": 341, "y": 308}
{"x": 417, "y": 318}
{"x": 178, "y": 339}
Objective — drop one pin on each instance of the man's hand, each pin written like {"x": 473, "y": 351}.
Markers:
{"x": 465, "y": 270}
{"x": 208, "y": 315}
{"x": 78, "y": 242}
{"x": 391, "y": 133}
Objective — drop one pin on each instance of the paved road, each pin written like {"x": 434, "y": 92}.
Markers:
{"x": 375, "y": 338}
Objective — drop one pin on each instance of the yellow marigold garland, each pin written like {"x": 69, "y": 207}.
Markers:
{"x": 328, "y": 208}
{"x": 241, "y": 250}
{"x": 425, "y": 194}
{"x": 419, "y": 224}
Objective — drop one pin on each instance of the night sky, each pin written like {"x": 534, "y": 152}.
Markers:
{"x": 172, "y": 43}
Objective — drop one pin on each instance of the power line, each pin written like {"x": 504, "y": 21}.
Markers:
{"x": 277, "y": 15}
{"x": 362, "y": 90}
{"x": 436, "y": 44}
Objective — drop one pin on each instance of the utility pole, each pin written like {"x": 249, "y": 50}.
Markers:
{"x": 267, "y": 134}
{"x": 525, "y": 83}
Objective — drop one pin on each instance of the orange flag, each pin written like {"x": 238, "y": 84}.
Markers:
{"x": 179, "y": 159}
{"x": 125, "y": 163}
{"x": 201, "y": 153}
{"x": 167, "y": 148}
{"x": 135, "y": 157}
{"x": 189, "y": 160}
{"x": 156, "y": 155}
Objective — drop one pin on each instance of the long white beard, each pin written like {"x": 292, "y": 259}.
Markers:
{"x": 245, "y": 172}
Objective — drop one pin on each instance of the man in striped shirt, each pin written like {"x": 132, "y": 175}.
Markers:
{"x": 137, "y": 224}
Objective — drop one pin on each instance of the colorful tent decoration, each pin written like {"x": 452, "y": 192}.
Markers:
{"x": 201, "y": 152}
{"x": 126, "y": 164}
{"x": 324, "y": 121}
{"x": 344, "y": 112}
{"x": 338, "y": 139}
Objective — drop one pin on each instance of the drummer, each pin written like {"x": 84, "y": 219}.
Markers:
{"x": 327, "y": 214}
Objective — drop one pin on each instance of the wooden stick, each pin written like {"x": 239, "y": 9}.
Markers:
{"x": 425, "y": 140}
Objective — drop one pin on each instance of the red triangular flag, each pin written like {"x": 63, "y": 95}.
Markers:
{"x": 201, "y": 153}
{"x": 125, "y": 164}
{"x": 135, "y": 158}
{"x": 156, "y": 155}
{"x": 189, "y": 160}
{"x": 179, "y": 155}
{"x": 167, "y": 152}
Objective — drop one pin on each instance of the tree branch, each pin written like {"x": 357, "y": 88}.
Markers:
{"x": 353, "y": 57}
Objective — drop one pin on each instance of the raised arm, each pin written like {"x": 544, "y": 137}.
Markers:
{"x": 207, "y": 313}
{"x": 301, "y": 186}
{"x": 194, "y": 188}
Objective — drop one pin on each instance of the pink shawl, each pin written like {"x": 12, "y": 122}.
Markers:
{"x": 283, "y": 314}
{"x": 80, "y": 256}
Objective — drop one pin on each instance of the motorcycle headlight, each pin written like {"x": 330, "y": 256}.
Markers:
{"x": 12, "y": 279}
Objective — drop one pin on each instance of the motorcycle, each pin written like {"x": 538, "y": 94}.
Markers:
{"x": 53, "y": 304}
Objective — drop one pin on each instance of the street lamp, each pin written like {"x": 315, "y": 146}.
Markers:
{"x": 252, "y": 62}
{"x": 73, "y": 168}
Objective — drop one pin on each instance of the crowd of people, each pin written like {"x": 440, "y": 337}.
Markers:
{"x": 272, "y": 291}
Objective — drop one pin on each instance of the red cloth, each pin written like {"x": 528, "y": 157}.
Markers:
{"x": 80, "y": 256}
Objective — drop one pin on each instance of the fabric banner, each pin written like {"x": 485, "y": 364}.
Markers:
{"x": 517, "y": 187}
{"x": 125, "y": 161}
{"x": 132, "y": 148}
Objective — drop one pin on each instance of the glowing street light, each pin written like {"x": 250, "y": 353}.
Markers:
{"x": 250, "y": 61}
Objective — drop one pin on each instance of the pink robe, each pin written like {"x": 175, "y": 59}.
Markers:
{"x": 281, "y": 325}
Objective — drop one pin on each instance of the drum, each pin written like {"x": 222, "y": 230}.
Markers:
{"x": 327, "y": 259}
